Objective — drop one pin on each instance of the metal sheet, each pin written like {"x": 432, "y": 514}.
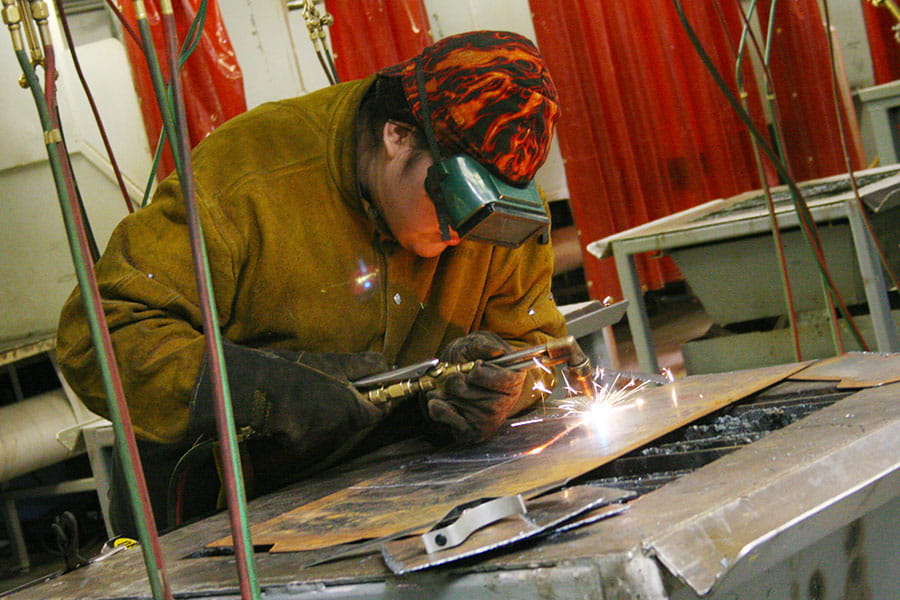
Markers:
{"x": 587, "y": 317}
{"x": 794, "y": 486}
{"x": 517, "y": 459}
{"x": 854, "y": 370}
{"x": 543, "y": 514}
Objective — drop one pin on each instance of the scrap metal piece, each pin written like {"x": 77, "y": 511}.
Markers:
{"x": 854, "y": 370}
{"x": 543, "y": 514}
{"x": 471, "y": 520}
{"x": 584, "y": 318}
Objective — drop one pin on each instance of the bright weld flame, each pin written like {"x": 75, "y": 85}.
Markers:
{"x": 610, "y": 390}
{"x": 608, "y": 393}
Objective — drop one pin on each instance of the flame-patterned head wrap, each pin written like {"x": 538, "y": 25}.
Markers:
{"x": 490, "y": 96}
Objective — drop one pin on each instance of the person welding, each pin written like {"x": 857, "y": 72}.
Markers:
{"x": 371, "y": 224}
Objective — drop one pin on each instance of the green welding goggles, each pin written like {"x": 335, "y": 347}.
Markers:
{"x": 479, "y": 206}
{"x": 475, "y": 203}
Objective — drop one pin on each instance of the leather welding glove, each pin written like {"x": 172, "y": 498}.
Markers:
{"x": 302, "y": 400}
{"x": 470, "y": 407}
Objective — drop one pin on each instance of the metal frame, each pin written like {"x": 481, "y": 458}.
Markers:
{"x": 687, "y": 229}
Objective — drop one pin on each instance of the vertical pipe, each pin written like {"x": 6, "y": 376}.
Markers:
{"x": 118, "y": 409}
{"x": 232, "y": 476}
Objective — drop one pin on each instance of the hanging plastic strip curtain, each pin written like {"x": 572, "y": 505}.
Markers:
{"x": 644, "y": 131}
{"x": 883, "y": 45}
{"x": 801, "y": 70}
{"x": 211, "y": 78}
{"x": 368, "y": 35}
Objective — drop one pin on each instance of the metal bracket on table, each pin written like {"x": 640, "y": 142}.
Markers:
{"x": 558, "y": 511}
{"x": 471, "y": 520}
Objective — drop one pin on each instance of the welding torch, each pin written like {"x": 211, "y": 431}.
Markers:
{"x": 391, "y": 386}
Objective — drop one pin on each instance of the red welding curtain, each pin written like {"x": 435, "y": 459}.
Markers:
{"x": 368, "y": 35}
{"x": 883, "y": 46}
{"x": 644, "y": 130}
{"x": 211, "y": 78}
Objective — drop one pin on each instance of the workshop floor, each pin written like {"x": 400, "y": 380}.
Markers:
{"x": 675, "y": 318}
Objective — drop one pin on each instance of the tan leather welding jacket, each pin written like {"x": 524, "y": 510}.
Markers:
{"x": 298, "y": 261}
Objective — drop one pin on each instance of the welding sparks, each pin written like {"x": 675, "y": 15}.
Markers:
{"x": 540, "y": 387}
{"x": 541, "y": 365}
{"x": 610, "y": 390}
{"x": 667, "y": 373}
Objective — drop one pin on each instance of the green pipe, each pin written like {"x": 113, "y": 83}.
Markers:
{"x": 99, "y": 334}
{"x": 159, "y": 88}
{"x": 190, "y": 44}
{"x": 231, "y": 461}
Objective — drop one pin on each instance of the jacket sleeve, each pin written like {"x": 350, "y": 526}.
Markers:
{"x": 147, "y": 283}
{"x": 521, "y": 308}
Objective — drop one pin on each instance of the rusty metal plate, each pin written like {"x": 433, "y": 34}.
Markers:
{"x": 523, "y": 456}
{"x": 854, "y": 370}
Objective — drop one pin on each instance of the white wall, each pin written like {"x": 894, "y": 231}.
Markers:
{"x": 265, "y": 49}
{"x": 36, "y": 269}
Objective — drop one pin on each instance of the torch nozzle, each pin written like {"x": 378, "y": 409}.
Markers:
{"x": 578, "y": 365}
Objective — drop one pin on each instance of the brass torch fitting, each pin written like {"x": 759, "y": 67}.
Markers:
{"x": 12, "y": 17}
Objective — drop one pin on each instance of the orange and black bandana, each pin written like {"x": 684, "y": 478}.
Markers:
{"x": 490, "y": 96}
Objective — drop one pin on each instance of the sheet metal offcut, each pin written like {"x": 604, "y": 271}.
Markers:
{"x": 854, "y": 370}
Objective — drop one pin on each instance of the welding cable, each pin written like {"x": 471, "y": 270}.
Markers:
{"x": 192, "y": 39}
{"x": 777, "y": 238}
{"x": 329, "y": 74}
{"x": 331, "y": 65}
{"x": 118, "y": 409}
{"x": 231, "y": 462}
{"x": 156, "y": 78}
{"x": 810, "y": 231}
{"x": 50, "y": 74}
{"x": 747, "y": 33}
{"x": 804, "y": 216}
{"x": 781, "y": 150}
{"x": 315, "y": 24}
{"x": 64, "y": 21}
{"x": 846, "y": 152}
{"x": 178, "y": 479}
{"x": 126, "y": 26}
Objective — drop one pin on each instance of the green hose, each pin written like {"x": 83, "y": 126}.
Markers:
{"x": 97, "y": 323}
{"x": 807, "y": 224}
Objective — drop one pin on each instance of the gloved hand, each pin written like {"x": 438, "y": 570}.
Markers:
{"x": 470, "y": 407}
{"x": 302, "y": 400}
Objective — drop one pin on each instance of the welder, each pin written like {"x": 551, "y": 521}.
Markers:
{"x": 332, "y": 258}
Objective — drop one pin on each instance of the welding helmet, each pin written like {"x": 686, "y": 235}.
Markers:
{"x": 486, "y": 99}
